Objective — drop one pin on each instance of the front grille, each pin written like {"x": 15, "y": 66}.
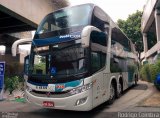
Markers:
{"x": 43, "y": 80}
{"x": 50, "y": 94}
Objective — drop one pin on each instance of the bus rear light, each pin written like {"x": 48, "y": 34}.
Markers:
{"x": 81, "y": 101}
{"x": 81, "y": 89}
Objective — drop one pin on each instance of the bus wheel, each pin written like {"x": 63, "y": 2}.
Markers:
{"x": 119, "y": 90}
{"x": 135, "y": 81}
{"x": 112, "y": 94}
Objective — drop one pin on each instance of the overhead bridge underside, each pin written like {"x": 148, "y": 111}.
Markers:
{"x": 10, "y": 24}
{"x": 23, "y": 15}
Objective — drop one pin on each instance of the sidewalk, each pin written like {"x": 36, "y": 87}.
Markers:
{"x": 153, "y": 100}
{"x": 15, "y": 95}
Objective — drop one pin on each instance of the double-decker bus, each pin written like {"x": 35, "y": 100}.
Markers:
{"x": 79, "y": 59}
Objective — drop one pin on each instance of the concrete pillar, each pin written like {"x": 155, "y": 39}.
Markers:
{"x": 145, "y": 43}
{"x": 157, "y": 21}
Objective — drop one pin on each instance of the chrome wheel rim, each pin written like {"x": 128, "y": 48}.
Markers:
{"x": 119, "y": 88}
{"x": 112, "y": 92}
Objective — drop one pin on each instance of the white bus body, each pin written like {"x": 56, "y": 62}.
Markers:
{"x": 102, "y": 58}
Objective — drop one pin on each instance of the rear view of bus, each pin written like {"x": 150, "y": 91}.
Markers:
{"x": 69, "y": 64}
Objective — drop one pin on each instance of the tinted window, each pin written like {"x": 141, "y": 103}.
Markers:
{"x": 98, "y": 50}
{"x": 119, "y": 37}
{"x": 65, "y": 18}
{"x": 100, "y": 19}
{"x": 118, "y": 64}
{"x": 99, "y": 38}
{"x": 95, "y": 61}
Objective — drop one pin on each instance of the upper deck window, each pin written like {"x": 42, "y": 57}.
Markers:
{"x": 65, "y": 18}
{"x": 100, "y": 19}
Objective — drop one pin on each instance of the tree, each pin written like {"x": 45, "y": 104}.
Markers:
{"x": 132, "y": 28}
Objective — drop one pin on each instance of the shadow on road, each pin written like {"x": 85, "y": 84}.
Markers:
{"x": 140, "y": 87}
{"x": 50, "y": 113}
{"x": 95, "y": 113}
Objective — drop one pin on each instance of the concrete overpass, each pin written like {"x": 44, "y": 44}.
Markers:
{"x": 151, "y": 25}
{"x": 24, "y": 15}
{"x": 19, "y": 16}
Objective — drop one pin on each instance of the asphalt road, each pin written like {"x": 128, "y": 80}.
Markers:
{"x": 128, "y": 102}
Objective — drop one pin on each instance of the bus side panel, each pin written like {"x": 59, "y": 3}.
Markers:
{"x": 108, "y": 79}
{"x": 125, "y": 80}
{"x": 97, "y": 89}
{"x": 107, "y": 83}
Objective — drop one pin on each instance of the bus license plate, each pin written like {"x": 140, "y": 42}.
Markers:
{"x": 48, "y": 104}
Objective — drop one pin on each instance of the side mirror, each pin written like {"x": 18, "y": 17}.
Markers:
{"x": 26, "y": 65}
{"x": 18, "y": 42}
{"x": 85, "y": 35}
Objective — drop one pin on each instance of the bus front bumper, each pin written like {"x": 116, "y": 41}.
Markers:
{"x": 77, "y": 102}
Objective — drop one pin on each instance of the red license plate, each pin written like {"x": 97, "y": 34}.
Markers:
{"x": 48, "y": 104}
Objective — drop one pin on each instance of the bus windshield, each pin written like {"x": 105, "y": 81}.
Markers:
{"x": 60, "y": 61}
{"x": 65, "y": 18}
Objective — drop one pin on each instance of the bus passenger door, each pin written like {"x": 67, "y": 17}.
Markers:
{"x": 97, "y": 78}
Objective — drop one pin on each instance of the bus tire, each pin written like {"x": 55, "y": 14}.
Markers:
{"x": 135, "y": 81}
{"x": 119, "y": 89}
{"x": 112, "y": 93}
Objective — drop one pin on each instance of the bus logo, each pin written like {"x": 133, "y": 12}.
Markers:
{"x": 70, "y": 36}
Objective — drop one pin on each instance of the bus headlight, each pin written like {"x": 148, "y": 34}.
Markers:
{"x": 81, "y": 89}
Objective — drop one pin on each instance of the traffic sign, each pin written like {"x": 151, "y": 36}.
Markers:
{"x": 2, "y": 71}
{"x": 2, "y": 68}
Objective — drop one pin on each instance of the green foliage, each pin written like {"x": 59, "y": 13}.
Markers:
{"x": 143, "y": 72}
{"x": 153, "y": 71}
{"x": 149, "y": 72}
{"x": 40, "y": 67}
{"x": 132, "y": 28}
{"x": 11, "y": 83}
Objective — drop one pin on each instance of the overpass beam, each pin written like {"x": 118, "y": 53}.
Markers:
{"x": 145, "y": 43}
{"x": 157, "y": 21}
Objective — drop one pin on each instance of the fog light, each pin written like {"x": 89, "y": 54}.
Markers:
{"x": 81, "y": 101}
